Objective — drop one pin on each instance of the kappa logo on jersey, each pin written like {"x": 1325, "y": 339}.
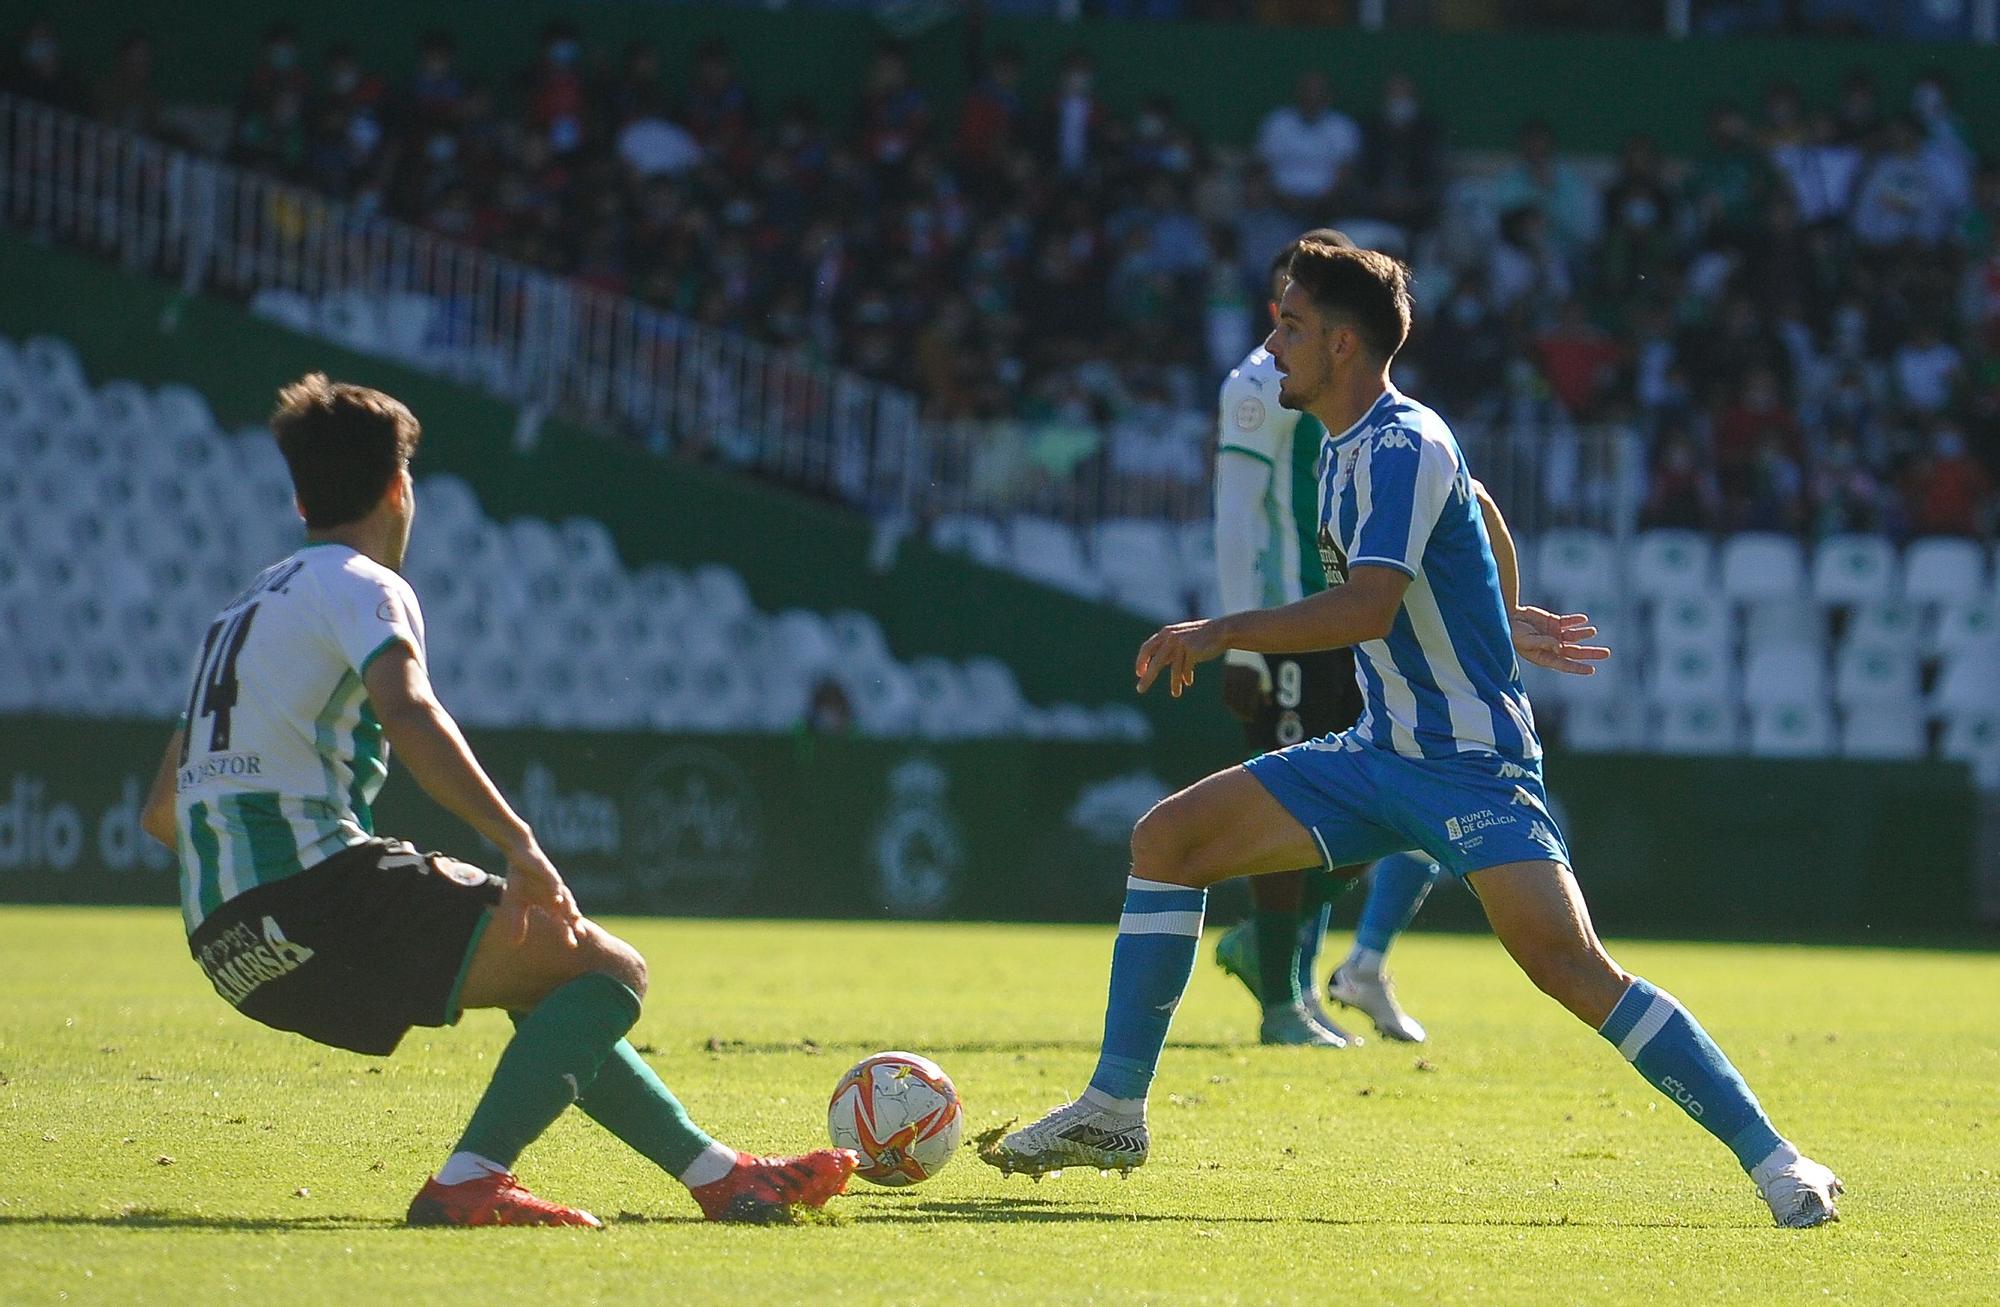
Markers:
{"x": 1524, "y": 799}
{"x": 1250, "y": 413}
{"x": 1332, "y": 558}
{"x": 1394, "y": 439}
{"x": 1513, "y": 771}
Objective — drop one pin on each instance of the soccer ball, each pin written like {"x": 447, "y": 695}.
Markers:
{"x": 901, "y": 1113}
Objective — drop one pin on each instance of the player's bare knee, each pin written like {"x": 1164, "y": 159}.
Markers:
{"x": 600, "y": 950}
{"x": 1158, "y": 851}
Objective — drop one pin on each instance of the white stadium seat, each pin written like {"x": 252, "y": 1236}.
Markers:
{"x": 1884, "y": 621}
{"x": 1788, "y": 622}
{"x": 1577, "y": 568}
{"x": 1792, "y": 675}
{"x": 1671, "y": 565}
{"x": 1691, "y": 674}
{"x": 1942, "y": 570}
{"x": 1762, "y": 565}
{"x": 286, "y": 308}
{"x": 1883, "y": 732}
{"x": 1970, "y": 682}
{"x": 1702, "y": 726}
{"x": 1791, "y": 730}
{"x": 1603, "y": 726}
{"x": 1854, "y": 569}
{"x": 1699, "y": 619}
{"x": 1051, "y": 552}
{"x": 1974, "y": 737}
{"x": 975, "y": 537}
{"x": 1877, "y": 675}
{"x": 1966, "y": 624}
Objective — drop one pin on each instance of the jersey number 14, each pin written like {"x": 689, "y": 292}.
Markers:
{"x": 214, "y": 692}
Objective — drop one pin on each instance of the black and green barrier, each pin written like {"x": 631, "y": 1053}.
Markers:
{"x": 782, "y": 826}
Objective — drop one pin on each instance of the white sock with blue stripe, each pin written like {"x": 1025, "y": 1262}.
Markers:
{"x": 1150, "y": 967}
{"x": 1668, "y": 1047}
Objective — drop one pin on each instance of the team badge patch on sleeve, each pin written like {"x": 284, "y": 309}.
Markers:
{"x": 1249, "y": 413}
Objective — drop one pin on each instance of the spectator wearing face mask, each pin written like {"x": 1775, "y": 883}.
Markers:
{"x": 39, "y": 72}
{"x": 1402, "y": 169}
{"x": 1540, "y": 180}
{"x": 1308, "y": 147}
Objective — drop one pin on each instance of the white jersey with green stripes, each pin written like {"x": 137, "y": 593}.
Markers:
{"x": 283, "y": 757}
{"x": 1252, "y": 423}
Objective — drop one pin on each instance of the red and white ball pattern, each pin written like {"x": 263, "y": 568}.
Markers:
{"x": 901, "y": 1113}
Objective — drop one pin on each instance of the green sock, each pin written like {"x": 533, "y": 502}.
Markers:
{"x": 556, "y": 1052}
{"x": 630, "y": 1101}
{"x": 1277, "y": 934}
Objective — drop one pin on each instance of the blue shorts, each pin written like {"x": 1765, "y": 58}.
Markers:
{"x": 1362, "y": 802}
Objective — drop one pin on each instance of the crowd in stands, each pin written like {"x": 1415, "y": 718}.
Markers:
{"x": 1801, "y": 322}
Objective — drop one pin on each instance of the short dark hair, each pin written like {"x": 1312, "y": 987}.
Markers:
{"x": 1367, "y": 287}
{"x": 1282, "y": 260}
{"x": 344, "y": 444}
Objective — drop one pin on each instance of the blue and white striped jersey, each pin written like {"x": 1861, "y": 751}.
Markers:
{"x": 1395, "y": 492}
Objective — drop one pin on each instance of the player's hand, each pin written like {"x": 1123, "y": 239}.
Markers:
{"x": 1175, "y": 650}
{"x": 1555, "y": 640}
{"x": 534, "y": 885}
{"x": 1246, "y": 684}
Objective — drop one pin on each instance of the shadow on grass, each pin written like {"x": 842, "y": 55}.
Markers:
{"x": 884, "y": 1209}
{"x": 154, "y": 1218}
{"x": 1005, "y": 1210}
{"x": 722, "y": 1047}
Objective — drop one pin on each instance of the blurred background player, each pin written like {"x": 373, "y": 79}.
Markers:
{"x": 1266, "y": 554}
{"x": 305, "y": 920}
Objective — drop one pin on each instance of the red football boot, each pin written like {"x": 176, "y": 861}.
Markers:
{"x": 496, "y": 1199}
{"x": 764, "y": 1189}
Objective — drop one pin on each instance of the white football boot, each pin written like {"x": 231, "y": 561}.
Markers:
{"x": 1800, "y": 1191}
{"x": 1075, "y": 1134}
{"x": 1376, "y": 997}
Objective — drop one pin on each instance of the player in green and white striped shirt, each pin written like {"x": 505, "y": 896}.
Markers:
{"x": 1267, "y": 553}
{"x": 308, "y": 921}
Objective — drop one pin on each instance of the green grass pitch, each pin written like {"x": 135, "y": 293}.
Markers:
{"x": 157, "y": 1148}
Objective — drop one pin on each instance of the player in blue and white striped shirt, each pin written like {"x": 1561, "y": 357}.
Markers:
{"x": 1445, "y": 758}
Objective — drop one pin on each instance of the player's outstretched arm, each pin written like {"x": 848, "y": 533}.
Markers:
{"x": 1546, "y": 639}
{"x": 1361, "y": 610}
{"x": 157, "y": 817}
{"x": 430, "y": 744}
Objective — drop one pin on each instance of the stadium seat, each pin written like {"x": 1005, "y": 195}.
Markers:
{"x": 1702, "y": 726}
{"x": 1966, "y": 624}
{"x": 1603, "y": 726}
{"x": 1762, "y": 565}
{"x": 1577, "y": 568}
{"x": 1791, "y": 674}
{"x": 125, "y": 409}
{"x": 1943, "y": 570}
{"x": 1791, "y": 730}
{"x": 51, "y": 366}
{"x": 1853, "y": 569}
{"x": 1792, "y": 621}
{"x": 351, "y": 318}
{"x": 976, "y": 537}
{"x": 1883, "y": 675}
{"x": 1881, "y": 731}
{"x": 1197, "y": 558}
{"x": 1051, "y": 552}
{"x": 1884, "y": 621}
{"x": 859, "y": 637}
{"x": 1690, "y": 674}
{"x": 1702, "y": 619}
{"x": 1970, "y": 682}
{"x": 1139, "y": 566}
{"x": 1671, "y": 565}
{"x": 1973, "y": 737}
{"x": 286, "y": 308}
{"x": 180, "y": 411}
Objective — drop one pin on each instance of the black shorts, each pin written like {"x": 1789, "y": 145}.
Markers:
{"x": 354, "y": 951}
{"x": 1312, "y": 694}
